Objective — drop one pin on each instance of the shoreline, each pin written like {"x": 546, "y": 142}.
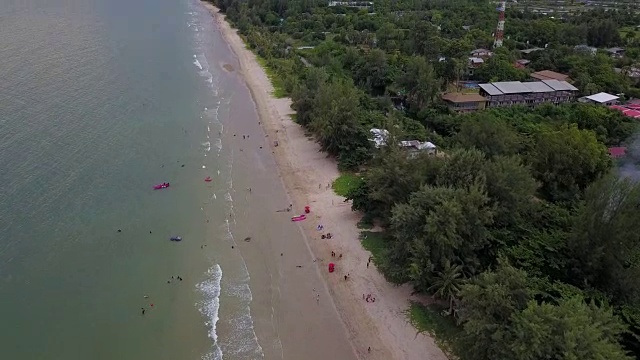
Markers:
{"x": 383, "y": 325}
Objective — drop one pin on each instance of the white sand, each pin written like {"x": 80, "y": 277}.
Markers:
{"x": 306, "y": 172}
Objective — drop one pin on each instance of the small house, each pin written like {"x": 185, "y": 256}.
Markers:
{"x": 481, "y": 53}
{"x": 586, "y": 49}
{"x": 379, "y": 137}
{"x": 616, "y": 52}
{"x": 464, "y": 102}
{"x": 601, "y": 99}
{"x": 474, "y": 63}
{"x": 549, "y": 75}
{"x": 521, "y": 63}
{"x": 414, "y": 147}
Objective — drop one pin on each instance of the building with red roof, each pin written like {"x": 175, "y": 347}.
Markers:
{"x": 617, "y": 152}
{"x": 632, "y": 111}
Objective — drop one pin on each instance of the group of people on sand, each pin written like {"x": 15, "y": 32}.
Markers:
{"x": 369, "y": 298}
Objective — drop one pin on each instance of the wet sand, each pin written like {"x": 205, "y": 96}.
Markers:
{"x": 340, "y": 325}
{"x": 293, "y": 313}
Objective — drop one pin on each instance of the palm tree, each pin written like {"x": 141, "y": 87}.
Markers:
{"x": 446, "y": 284}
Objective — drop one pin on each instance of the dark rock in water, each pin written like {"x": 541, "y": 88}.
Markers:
{"x": 182, "y": 165}
{"x": 119, "y": 230}
{"x": 247, "y": 239}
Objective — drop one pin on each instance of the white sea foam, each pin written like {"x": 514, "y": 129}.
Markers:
{"x": 210, "y": 306}
{"x": 197, "y": 63}
{"x": 241, "y": 342}
{"x": 207, "y": 146}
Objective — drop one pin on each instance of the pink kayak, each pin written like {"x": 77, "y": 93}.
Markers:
{"x": 299, "y": 218}
{"x": 161, "y": 186}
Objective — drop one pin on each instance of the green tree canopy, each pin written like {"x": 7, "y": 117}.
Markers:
{"x": 570, "y": 330}
{"x": 605, "y": 241}
{"x": 488, "y": 304}
{"x": 566, "y": 160}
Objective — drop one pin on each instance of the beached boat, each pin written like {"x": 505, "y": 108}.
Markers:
{"x": 176, "y": 238}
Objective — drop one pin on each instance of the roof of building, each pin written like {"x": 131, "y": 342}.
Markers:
{"x": 617, "y": 151}
{"x": 632, "y": 114}
{"x": 585, "y": 47}
{"x": 461, "y": 98}
{"x": 627, "y": 110}
{"x": 560, "y": 85}
{"x": 529, "y": 51}
{"x": 490, "y": 89}
{"x": 379, "y": 137}
{"x": 549, "y": 75}
{"x": 615, "y": 50}
{"x": 476, "y": 60}
{"x": 602, "y": 97}
{"x": 511, "y": 87}
{"x": 517, "y": 87}
{"x": 538, "y": 87}
{"x": 417, "y": 144}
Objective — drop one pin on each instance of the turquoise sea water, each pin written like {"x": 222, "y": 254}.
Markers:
{"x": 99, "y": 101}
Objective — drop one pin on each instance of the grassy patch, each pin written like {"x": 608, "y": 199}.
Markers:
{"x": 345, "y": 182}
{"x": 377, "y": 243}
{"x": 276, "y": 81}
{"x": 628, "y": 29}
{"x": 373, "y": 242}
{"x": 430, "y": 319}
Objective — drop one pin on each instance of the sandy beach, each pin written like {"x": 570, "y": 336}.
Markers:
{"x": 307, "y": 174}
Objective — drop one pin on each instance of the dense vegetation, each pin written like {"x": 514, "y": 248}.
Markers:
{"x": 518, "y": 224}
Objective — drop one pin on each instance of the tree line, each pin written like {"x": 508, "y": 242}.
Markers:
{"x": 518, "y": 223}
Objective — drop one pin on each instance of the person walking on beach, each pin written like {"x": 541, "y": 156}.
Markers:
{"x": 318, "y": 299}
{"x": 143, "y": 311}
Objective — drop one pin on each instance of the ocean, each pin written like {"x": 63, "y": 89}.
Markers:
{"x": 99, "y": 101}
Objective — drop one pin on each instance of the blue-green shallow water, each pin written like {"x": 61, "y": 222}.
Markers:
{"x": 100, "y": 100}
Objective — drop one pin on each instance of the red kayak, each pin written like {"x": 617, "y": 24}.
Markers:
{"x": 299, "y": 218}
{"x": 161, "y": 186}
{"x": 208, "y": 179}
